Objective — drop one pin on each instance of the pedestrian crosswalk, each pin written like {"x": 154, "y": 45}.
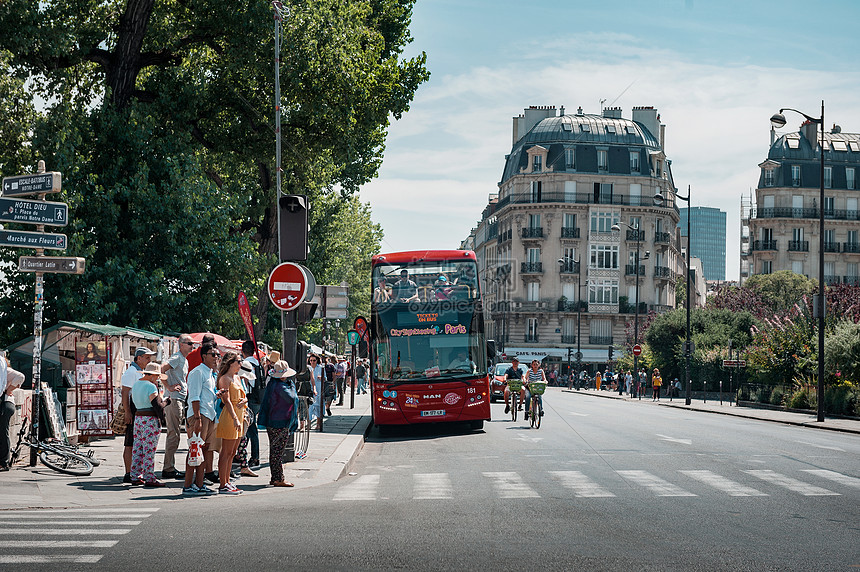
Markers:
{"x": 64, "y": 536}
{"x": 579, "y": 484}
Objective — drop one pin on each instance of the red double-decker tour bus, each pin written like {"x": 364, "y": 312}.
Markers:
{"x": 428, "y": 348}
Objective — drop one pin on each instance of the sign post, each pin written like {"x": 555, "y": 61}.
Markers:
{"x": 53, "y": 264}
{"x": 352, "y": 337}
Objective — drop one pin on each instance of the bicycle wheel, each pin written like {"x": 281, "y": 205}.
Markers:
{"x": 76, "y": 450}
{"x": 302, "y": 438}
{"x": 532, "y": 411}
{"x": 66, "y": 463}
{"x": 536, "y": 414}
{"x": 514, "y": 397}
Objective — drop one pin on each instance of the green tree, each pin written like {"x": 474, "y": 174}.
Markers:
{"x": 159, "y": 116}
{"x": 780, "y": 290}
{"x": 842, "y": 353}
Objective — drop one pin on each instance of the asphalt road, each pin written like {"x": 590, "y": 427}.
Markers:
{"x": 603, "y": 485}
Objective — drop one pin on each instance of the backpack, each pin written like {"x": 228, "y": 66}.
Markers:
{"x": 256, "y": 395}
{"x": 342, "y": 369}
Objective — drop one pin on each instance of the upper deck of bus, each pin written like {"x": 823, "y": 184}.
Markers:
{"x": 414, "y": 256}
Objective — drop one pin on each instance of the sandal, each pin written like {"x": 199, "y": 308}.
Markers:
{"x": 282, "y": 484}
{"x": 246, "y": 471}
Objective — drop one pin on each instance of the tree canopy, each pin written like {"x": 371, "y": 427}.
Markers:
{"x": 160, "y": 117}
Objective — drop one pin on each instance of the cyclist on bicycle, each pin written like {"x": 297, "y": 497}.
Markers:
{"x": 534, "y": 374}
{"x": 513, "y": 372}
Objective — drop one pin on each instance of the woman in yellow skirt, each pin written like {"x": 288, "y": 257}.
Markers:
{"x": 229, "y": 428}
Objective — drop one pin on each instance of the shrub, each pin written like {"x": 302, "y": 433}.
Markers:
{"x": 777, "y": 397}
{"x": 801, "y": 399}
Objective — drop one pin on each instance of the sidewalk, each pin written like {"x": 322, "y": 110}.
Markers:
{"x": 787, "y": 417}
{"x": 329, "y": 456}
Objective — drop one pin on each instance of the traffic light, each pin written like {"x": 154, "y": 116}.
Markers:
{"x": 610, "y": 353}
{"x": 293, "y": 227}
{"x": 302, "y": 351}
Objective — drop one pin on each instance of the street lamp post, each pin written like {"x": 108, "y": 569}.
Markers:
{"x": 617, "y": 228}
{"x": 778, "y": 120}
{"x": 563, "y": 262}
{"x": 688, "y": 346}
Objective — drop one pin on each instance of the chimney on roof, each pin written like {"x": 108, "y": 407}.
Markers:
{"x": 561, "y": 111}
{"x": 648, "y": 118}
{"x": 531, "y": 117}
{"x": 612, "y": 112}
{"x": 579, "y": 110}
{"x": 810, "y": 130}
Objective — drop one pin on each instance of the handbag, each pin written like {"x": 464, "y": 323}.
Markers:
{"x": 118, "y": 423}
{"x": 195, "y": 450}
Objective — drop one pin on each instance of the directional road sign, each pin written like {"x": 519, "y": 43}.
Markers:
{"x": 288, "y": 285}
{"x": 57, "y": 264}
{"x": 24, "y": 239}
{"x": 734, "y": 363}
{"x": 50, "y": 182}
{"x": 34, "y": 212}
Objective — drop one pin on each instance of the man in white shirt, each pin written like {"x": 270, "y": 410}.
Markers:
{"x": 10, "y": 380}
{"x": 176, "y": 368}
{"x": 142, "y": 356}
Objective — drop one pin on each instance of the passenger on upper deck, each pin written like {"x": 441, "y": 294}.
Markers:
{"x": 405, "y": 290}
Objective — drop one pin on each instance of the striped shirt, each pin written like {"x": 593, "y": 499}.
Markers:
{"x": 535, "y": 375}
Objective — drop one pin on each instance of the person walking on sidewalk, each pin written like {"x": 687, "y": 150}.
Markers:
{"x": 147, "y": 428}
{"x": 246, "y": 375}
{"x": 656, "y": 382}
{"x": 256, "y": 386}
{"x": 201, "y": 416}
{"x": 10, "y": 380}
{"x": 360, "y": 374}
{"x": 329, "y": 390}
{"x": 229, "y": 429}
{"x": 317, "y": 377}
{"x": 341, "y": 369}
{"x": 142, "y": 356}
{"x": 176, "y": 368}
{"x": 279, "y": 416}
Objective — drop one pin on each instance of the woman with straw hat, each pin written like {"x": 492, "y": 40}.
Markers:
{"x": 147, "y": 399}
{"x": 278, "y": 414}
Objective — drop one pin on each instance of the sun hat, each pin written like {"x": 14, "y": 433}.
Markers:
{"x": 154, "y": 368}
{"x": 274, "y": 356}
{"x": 246, "y": 371}
{"x": 282, "y": 369}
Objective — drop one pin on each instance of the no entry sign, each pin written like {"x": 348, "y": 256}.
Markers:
{"x": 637, "y": 350}
{"x": 288, "y": 285}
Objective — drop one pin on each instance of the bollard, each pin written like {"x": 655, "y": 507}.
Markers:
{"x": 721, "y": 392}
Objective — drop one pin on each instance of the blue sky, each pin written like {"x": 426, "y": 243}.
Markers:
{"x": 716, "y": 71}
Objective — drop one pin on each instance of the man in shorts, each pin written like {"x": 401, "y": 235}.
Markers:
{"x": 142, "y": 356}
{"x": 514, "y": 372}
{"x": 202, "y": 393}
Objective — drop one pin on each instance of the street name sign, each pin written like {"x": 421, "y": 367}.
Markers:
{"x": 50, "y": 182}
{"x": 25, "y": 239}
{"x": 56, "y": 264}
{"x": 734, "y": 363}
{"x": 34, "y": 212}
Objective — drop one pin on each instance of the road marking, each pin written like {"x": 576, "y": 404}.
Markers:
{"x": 431, "y": 486}
{"x": 47, "y": 559}
{"x": 6, "y": 522}
{"x": 510, "y": 485}
{"x": 656, "y": 485}
{"x": 63, "y": 531}
{"x": 721, "y": 483}
{"x": 837, "y": 477}
{"x": 362, "y": 488}
{"x": 791, "y": 484}
{"x": 675, "y": 439}
{"x": 581, "y": 485}
{"x": 527, "y": 439}
{"x": 821, "y": 446}
{"x": 78, "y": 512}
{"x": 579, "y": 414}
{"x": 11, "y": 544}
{"x": 61, "y": 517}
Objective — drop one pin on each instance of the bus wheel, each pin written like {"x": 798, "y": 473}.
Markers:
{"x": 477, "y": 424}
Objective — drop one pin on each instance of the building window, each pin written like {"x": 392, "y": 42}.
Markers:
{"x": 569, "y": 255}
{"x": 852, "y": 237}
{"x": 534, "y": 221}
{"x": 636, "y": 222}
{"x": 795, "y": 175}
{"x": 569, "y": 220}
{"x": 603, "y": 292}
{"x": 768, "y": 177}
{"x": 849, "y": 177}
{"x": 829, "y": 205}
{"x": 604, "y": 256}
{"x": 634, "y": 161}
{"x": 602, "y": 159}
{"x": 570, "y": 191}
{"x": 570, "y": 158}
{"x": 568, "y": 329}
{"x": 828, "y": 177}
{"x": 532, "y": 330}
{"x": 533, "y": 291}
{"x": 603, "y": 221}
{"x": 767, "y": 266}
{"x": 536, "y": 191}
{"x": 537, "y": 164}
{"x": 797, "y": 266}
{"x": 534, "y": 255}
{"x": 603, "y": 193}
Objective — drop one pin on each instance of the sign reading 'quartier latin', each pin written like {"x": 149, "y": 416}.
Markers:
{"x": 57, "y": 264}
{"x": 24, "y": 239}
{"x": 33, "y": 212}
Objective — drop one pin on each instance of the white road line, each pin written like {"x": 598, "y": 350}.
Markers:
{"x": 836, "y": 477}
{"x": 63, "y": 531}
{"x": 579, "y": 414}
{"x": 656, "y": 485}
{"x": 13, "y": 544}
{"x": 81, "y": 511}
{"x": 674, "y": 439}
{"x": 9, "y": 522}
{"x": 723, "y": 484}
{"x": 362, "y": 488}
{"x": 581, "y": 485}
{"x": 46, "y": 559}
{"x": 791, "y": 484}
{"x": 821, "y": 446}
{"x": 510, "y": 485}
{"x": 58, "y": 518}
{"x": 431, "y": 486}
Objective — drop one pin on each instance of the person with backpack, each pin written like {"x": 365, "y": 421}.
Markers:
{"x": 340, "y": 373}
{"x": 361, "y": 375}
{"x": 257, "y": 386}
{"x": 329, "y": 390}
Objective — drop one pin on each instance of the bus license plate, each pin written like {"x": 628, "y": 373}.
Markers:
{"x": 433, "y": 413}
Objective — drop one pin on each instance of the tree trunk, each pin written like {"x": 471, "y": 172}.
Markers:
{"x": 125, "y": 60}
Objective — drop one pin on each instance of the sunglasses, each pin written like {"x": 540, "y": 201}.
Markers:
{"x": 187, "y": 343}
{"x": 214, "y": 354}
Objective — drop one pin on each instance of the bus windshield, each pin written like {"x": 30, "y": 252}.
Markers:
{"x": 426, "y": 281}
{"x": 430, "y": 341}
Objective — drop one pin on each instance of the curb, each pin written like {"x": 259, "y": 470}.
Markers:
{"x": 810, "y": 424}
{"x": 339, "y": 463}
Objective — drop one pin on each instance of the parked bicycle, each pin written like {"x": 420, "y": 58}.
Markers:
{"x": 303, "y": 435}
{"x": 61, "y": 457}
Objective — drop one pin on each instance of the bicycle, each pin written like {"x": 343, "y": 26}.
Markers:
{"x": 514, "y": 387}
{"x": 537, "y": 389}
{"x": 303, "y": 435}
{"x": 56, "y": 456}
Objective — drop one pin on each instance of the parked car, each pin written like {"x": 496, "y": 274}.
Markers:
{"x": 497, "y": 385}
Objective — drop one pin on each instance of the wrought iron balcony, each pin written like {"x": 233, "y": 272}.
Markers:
{"x": 600, "y": 340}
{"x": 630, "y": 270}
{"x": 852, "y": 280}
{"x": 830, "y": 279}
{"x": 568, "y": 339}
{"x": 531, "y": 268}
{"x": 798, "y": 245}
{"x": 831, "y": 247}
{"x": 533, "y": 232}
{"x": 505, "y": 236}
{"x": 851, "y": 247}
{"x": 635, "y": 235}
{"x": 569, "y": 232}
{"x": 764, "y": 245}
{"x": 662, "y": 272}
{"x": 566, "y": 306}
{"x": 662, "y": 238}
{"x": 569, "y": 267}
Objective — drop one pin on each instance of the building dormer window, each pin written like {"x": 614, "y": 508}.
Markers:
{"x": 828, "y": 177}
{"x": 570, "y": 158}
{"x": 634, "y": 162}
{"x": 795, "y": 175}
{"x": 537, "y": 164}
{"x": 768, "y": 177}
{"x": 602, "y": 159}
{"x": 849, "y": 177}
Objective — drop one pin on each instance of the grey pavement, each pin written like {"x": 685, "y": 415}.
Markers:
{"x": 726, "y": 408}
{"x": 329, "y": 456}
